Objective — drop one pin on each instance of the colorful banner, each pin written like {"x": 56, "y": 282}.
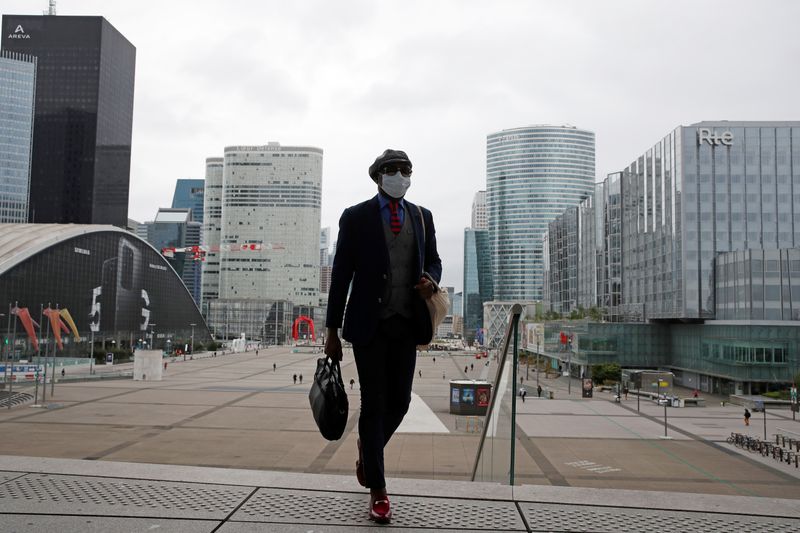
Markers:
{"x": 56, "y": 325}
{"x": 27, "y": 323}
{"x": 68, "y": 319}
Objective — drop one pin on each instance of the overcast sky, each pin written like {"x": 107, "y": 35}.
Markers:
{"x": 434, "y": 78}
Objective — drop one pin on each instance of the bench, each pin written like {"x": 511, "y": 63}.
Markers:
{"x": 696, "y": 402}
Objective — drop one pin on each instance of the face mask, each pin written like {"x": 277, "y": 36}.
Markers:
{"x": 395, "y": 185}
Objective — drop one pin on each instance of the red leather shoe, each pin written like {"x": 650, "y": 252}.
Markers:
{"x": 381, "y": 511}
{"x": 362, "y": 480}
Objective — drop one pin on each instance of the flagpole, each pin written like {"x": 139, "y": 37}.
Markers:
{"x": 38, "y": 360}
{"x": 46, "y": 357}
{"x": 13, "y": 346}
{"x": 53, "y": 373}
{"x": 5, "y": 371}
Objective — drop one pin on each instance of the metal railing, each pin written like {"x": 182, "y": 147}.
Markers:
{"x": 494, "y": 460}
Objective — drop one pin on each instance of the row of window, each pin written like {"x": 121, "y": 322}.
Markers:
{"x": 746, "y": 354}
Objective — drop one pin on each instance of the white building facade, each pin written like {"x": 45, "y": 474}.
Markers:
{"x": 269, "y": 242}
{"x": 212, "y": 226}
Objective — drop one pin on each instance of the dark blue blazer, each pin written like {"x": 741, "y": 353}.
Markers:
{"x": 362, "y": 259}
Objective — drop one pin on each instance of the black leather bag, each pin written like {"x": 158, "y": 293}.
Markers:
{"x": 328, "y": 399}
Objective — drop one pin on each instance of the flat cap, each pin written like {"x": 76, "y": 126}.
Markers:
{"x": 387, "y": 157}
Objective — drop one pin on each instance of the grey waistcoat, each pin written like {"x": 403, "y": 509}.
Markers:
{"x": 397, "y": 297}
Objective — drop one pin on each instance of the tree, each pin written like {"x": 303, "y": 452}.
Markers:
{"x": 595, "y": 314}
{"x": 606, "y": 372}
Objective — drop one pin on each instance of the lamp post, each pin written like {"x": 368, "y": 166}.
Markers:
{"x": 538, "y": 351}
{"x": 184, "y": 353}
{"x": 91, "y": 353}
{"x": 569, "y": 369}
{"x": 5, "y": 369}
{"x": 152, "y": 336}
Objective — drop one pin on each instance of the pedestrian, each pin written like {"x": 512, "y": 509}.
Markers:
{"x": 301, "y": 379}
{"x": 387, "y": 249}
{"x": 420, "y": 373}
{"x": 472, "y": 366}
{"x": 522, "y": 393}
{"x": 256, "y": 353}
{"x": 63, "y": 372}
{"x": 434, "y": 359}
{"x": 695, "y": 394}
{"x": 294, "y": 377}
{"x": 352, "y": 382}
{"x": 746, "y": 417}
{"x": 539, "y": 391}
{"x": 215, "y": 354}
{"x": 274, "y": 367}
{"x": 165, "y": 364}
{"x": 625, "y": 391}
{"x": 442, "y": 375}
{"x": 465, "y": 369}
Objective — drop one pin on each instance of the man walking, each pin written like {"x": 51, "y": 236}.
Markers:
{"x": 387, "y": 249}
{"x": 538, "y": 391}
{"x": 522, "y": 393}
{"x": 746, "y": 416}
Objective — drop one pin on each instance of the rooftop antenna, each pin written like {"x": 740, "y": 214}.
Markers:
{"x": 51, "y": 10}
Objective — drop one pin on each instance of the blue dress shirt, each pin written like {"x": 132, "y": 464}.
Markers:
{"x": 386, "y": 211}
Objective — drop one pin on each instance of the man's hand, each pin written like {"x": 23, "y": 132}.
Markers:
{"x": 424, "y": 288}
{"x": 333, "y": 346}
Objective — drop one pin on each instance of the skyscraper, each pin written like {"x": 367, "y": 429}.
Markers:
{"x": 189, "y": 194}
{"x": 269, "y": 245}
{"x": 17, "y": 90}
{"x": 477, "y": 280}
{"x": 532, "y": 175}
{"x": 174, "y": 228}
{"x": 212, "y": 225}
{"x": 271, "y": 200}
{"x": 80, "y": 168}
{"x": 479, "y": 210}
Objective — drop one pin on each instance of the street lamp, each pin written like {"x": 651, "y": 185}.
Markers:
{"x": 152, "y": 335}
{"x": 538, "y": 350}
{"x": 184, "y": 353}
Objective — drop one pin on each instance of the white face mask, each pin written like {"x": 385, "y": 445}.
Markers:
{"x": 395, "y": 185}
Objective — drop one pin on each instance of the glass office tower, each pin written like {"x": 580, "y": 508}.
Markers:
{"x": 477, "y": 280}
{"x": 706, "y": 189}
{"x": 17, "y": 90}
{"x": 189, "y": 194}
{"x": 532, "y": 175}
{"x": 80, "y": 169}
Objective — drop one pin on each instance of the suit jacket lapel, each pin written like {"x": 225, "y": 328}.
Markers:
{"x": 414, "y": 213}
{"x": 376, "y": 223}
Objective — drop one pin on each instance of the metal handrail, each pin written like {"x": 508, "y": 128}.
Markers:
{"x": 511, "y": 333}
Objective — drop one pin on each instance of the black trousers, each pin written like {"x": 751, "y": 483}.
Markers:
{"x": 385, "y": 372}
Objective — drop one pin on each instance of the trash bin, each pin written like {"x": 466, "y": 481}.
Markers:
{"x": 676, "y": 402}
{"x": 550, "y": 395}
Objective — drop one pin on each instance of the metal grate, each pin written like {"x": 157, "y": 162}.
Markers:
{"x": 8, "y": 476}
{"x": 319, "y": 508}
{"x": 613, "y": 519}
{"x": 17, "y": 398}
{"x": 118, "y": 497}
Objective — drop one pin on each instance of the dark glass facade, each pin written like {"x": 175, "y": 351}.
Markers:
{"x": 80, "y": 168}
{"x": 189, "y": 194}
{"x": 477, "y": 279}
{"x": 112, "y": 283}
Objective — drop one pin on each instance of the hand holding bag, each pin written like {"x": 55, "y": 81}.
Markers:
{"x": 328, "y": 399}
{"x": 439, "y": 303}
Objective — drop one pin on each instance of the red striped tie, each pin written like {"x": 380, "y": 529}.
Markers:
{"x": 394, "y": 218}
